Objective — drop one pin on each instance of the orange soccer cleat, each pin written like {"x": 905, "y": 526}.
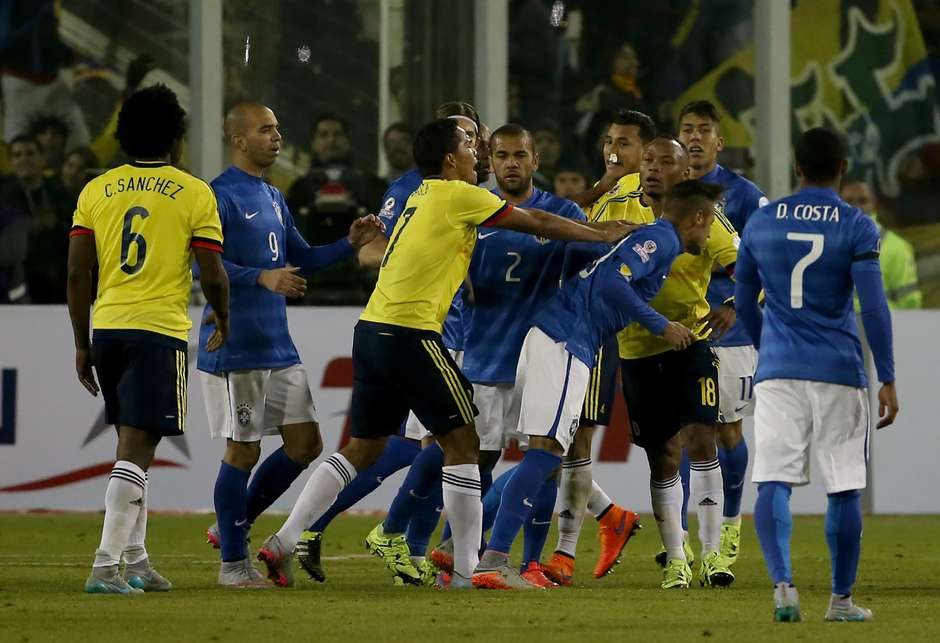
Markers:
{"x": 560, "y": 569}
{"x": 534, "y": 575}
{"x": 617, "y": 527}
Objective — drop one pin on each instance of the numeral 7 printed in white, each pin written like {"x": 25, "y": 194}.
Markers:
{"x": 796, "y": 277}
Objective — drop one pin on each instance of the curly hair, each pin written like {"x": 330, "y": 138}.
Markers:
{"x": 150, "y": 122}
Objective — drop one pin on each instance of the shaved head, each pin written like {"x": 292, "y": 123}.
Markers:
{"x": 252, "y": 131}
{"x": 240, "y": 118}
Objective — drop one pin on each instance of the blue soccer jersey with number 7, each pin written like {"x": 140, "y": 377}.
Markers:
{"x": 801, "y": 250}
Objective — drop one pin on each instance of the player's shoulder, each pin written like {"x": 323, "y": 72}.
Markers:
{"x": 628, "y": 183}
{"x": 555, "y": 204}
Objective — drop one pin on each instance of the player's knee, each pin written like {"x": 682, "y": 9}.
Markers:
{"x": 242, "y": 455}
{"x": 137, "y": 446}
{"x": 304, "y": 447}
{"x": 461, "y": 446}
{"x": 730, "y": 435}
{"x": 700, "y": 442}
{"x": 363, "y": 452}
{"x": 581, "y": 445}
{"x": 664, "y": 459}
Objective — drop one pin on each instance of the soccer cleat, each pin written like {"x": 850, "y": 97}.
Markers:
{"x": 715, "y": 571}
{"x": 534, "y": 576}
{"x": 443, "y": 556}
{"x": 676, "y": 574}
{"x": 107, "y": 580}
{"x": 660, "y": 557}
{"x": 560, "y": 569}
{"x": 277, "y": 558}
{"x": 841, "y": 608}
{"x": 428, "y": 572}
{"x": 616, "y": 528}
{"x": 213, "y": 537}
{"x": 394, "y": 551}
{"x": 786, "y": 604}
{"x": 730, "y": 542}
{"x": 149, "y": 581}
{"x": 307, "y": 553}
{"x": 242, "y": 574}
{"x": 495, "y": 572}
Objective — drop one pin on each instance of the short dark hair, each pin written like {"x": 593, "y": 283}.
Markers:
{"x": 49, "y": 122}
{"x": 29, "y": 139}
{"x": 404, "y": 128}
{"x": 671, "y": 139}
{"x": 513, "y": 129}
{"x": 458, "y": 108}
{"x": 150, "y": 123}
{"x": 641, "y": 121}
{"x": 687, "y": 196}
{"x": 432, "y": 143}
{"x": 701, "y": 108}
{"x": 330, "y": 116}
{"x": 820, "y": 153}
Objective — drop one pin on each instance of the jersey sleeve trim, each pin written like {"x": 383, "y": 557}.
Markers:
{"x": 865, "y": 256}
{"x": 208, "y": 244}
{"x": 505, "y": 209}
{"x": 78, "y": 231}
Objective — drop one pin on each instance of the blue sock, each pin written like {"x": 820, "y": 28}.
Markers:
{"x": 774, "y": 525}
{"x": 844, "y": 535}
{"x": 538, "y": 523}
{"x": 424, "y": 521}
{"x": 486, "y": 483}
{"x": 423, "y": 476}
{"x": 684, "y": 467}
{"x": 733, "y": 471}
{"x": 230, "y": 490}
{"x": 271, "y": 480}
{"x": 519, "y": 496}
{"x": 398, "y": 454}
{"x": 493, "y": 496}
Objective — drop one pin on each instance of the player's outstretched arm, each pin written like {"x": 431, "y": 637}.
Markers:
{"x": 214, "y": 282}
{"x": 371, "y": 254}
{"x": 876, "y": 318}
{"x": 599, "y": 189}
{"x": 82, "y": 259}
{"x": 311, "y": 259}
{"x": 551, "y": 226}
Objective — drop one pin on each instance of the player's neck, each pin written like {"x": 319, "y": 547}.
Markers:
{"x": 821, "y": 185}
{"x": 697, "y": 173}
{"x": 654, "y": 203}
{"x": 248, "y": 167}
{"x": 516, "y": 199}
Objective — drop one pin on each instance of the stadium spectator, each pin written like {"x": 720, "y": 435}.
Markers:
{"x": 569, "y": 180}
{"x": 74, "y": 172}
{"x": 48, "y": 208}
{"x": 14, "y": 238}
{"x": 397, "y": 142}
{"x": 325, "y": 201}
{"x": 548, "y": 147}
{"x": 51, "y": 132}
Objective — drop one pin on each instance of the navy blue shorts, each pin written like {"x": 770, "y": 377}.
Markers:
{"x": 143, "y": 378}
{"x": 397, "y": 369}
{"x": 602, "y": 385}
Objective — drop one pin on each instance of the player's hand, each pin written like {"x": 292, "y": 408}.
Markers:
{"x": 136, "y": 70}
{"x": 219, "y": 335}
{"x": 719, "y": 321}
{"x": 365, "y": 229}
{"x": 614, "y": 231}
{"x": 85, "y": 373}
{"x": 284, "y": 281}
{"x": 678, "y": 336}
{"x": 613, "y": 174}
{"x": 887, "y": 405}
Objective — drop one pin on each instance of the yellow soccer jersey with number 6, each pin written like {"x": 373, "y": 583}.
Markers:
{"x": 429, "y": 252}
{"x": 146, "y": 218}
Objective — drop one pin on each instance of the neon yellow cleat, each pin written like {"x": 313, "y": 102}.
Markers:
{"x": 730, "y": 542}
{"x": 394, "y": 551}
{"x": 676, "y": 574}
{"x": 715, "y": 571}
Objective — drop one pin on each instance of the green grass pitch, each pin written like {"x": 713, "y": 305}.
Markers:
{"x": 44, "y": 559}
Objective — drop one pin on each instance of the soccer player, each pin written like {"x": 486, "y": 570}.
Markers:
{"x": 699, "y": 129}
{"x": 399, "y": 360}
{"x": 808, "y": 252}
{"x": 670, "y": 391}
{"x": 255, "y": 385}
{"x": 403, "y": 554}
{"x": 558, "y": 352}
{"x": 629, "y": 132}
{"x": 139, "y": 225}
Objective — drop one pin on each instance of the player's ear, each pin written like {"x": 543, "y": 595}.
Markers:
{"x": 798, "y": 170}
{"x": 535, "y": 161}
{"x": 721, "y": 143}
{"x": 843, "y": 167}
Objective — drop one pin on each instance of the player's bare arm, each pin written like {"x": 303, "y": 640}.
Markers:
{"x": 364, "y": 230}
{"x": 551, "y": 226}
{"x": 82, "y": 260}
{"x": 215, "y": 287}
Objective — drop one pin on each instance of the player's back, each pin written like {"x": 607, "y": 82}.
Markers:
{"x": 146, "y": 217}
{"x": 804, "y": 246}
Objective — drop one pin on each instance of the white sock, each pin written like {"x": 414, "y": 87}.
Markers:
{"x": 318, "y": 495}
{"x": 667, "y": 509}
{"x": 136, "y": 551}
{"x": 598, "y": 500}
{"x": 465, "y": 512}
{"x": 122, "y": 503}
{"x": 708, "y": 496}
{"x": 575, "y": 488}
{"x": 736, "y": 520}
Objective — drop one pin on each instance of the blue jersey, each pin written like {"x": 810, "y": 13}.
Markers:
{"x": 801, "y": 249}
{"x": 260, "y": 235}
{"x": 393, "y": 204}
{"x": 613, "y": 292}
{"x": 740, "y": 199}
{"x": 512, "y": 274}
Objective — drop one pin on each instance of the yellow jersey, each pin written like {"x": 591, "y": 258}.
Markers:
{"x": 146, "y": 217}
{"x": 429, "y": 252}
{"x": 612, "y": 206}
{"x": 682, "y": 297}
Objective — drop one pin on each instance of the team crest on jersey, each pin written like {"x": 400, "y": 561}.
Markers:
{"x": 644, "y": 251}
{"x": 574, "y": 427}
{"x": 388, "y": 209}
{"x": 542, "y": 240}
{"x": 243, "y": 413}
{"x": 625, "y": 272}
{"x": 277, "y": 212}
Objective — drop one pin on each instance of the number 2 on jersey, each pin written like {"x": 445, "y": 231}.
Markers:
{"x": 796, "y": 277}
{"x": 406, "y": 215}
{"x": 128, "y": 238}
{"x": 518, "y": 259}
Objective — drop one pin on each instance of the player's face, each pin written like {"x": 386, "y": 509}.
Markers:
{"x": 700, "y": 231}
{"x": 859, "y": 195}
{"x": 623, "y": 148}
{"x": 664, "y": 164}
{"x": 514, "y": 163}
{"x": 398, "y": 150}
{"x": 569, "y": 183}
{"x": 465, "y": 158}
{"x": 330, "y": 142}
{"x": 26, "y": 160}
{"x": 700, "y": 136}
{"x": 484, "y": 167}
{"x": 262, "y": 139}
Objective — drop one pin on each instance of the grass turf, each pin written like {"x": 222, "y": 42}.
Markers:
{"x": 44, "y": 559}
